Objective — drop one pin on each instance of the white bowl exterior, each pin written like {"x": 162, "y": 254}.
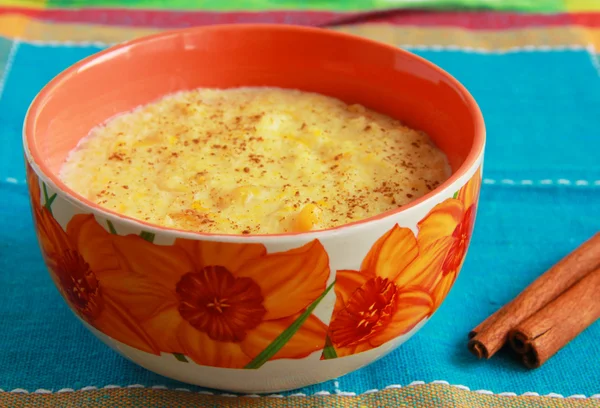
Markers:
{"x": 346, "y": 248}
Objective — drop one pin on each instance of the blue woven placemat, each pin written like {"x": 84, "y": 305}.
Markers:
{"x": 540, "y": 199}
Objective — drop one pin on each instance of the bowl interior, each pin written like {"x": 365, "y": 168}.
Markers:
{"x": 355, "y": 70}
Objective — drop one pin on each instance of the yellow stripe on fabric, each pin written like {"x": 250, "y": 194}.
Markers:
{"x": 13, "y": 25}
{"x": 34, "y": 4}
{"x": 27, "y": 29}
{"x": 582, "y": 5}
{"x": 418, "y": 396}
{"x": 485, "y": 40}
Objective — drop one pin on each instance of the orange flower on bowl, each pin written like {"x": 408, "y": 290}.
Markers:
{"x": 454, "y": 218}
{"x": 222, "y": 304}
{"x": 79, "y": 260}
{"x": 387, "y": 297}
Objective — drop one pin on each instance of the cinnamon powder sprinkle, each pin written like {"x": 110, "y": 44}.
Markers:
{"x": 253, "y": 160}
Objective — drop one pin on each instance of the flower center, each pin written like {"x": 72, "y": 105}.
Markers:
{"x": 79, "y": 284}
{"x": 217, "y": 303}
{"x": 367, "y": 312}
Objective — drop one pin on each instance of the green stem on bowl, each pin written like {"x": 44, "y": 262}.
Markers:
{"x": 111, "y": 227}
{"x": 148, "y": 236}
{"x": 180, "y": 357}
{"x": 44, "y": 189}
{"x": 455, "y": 195}
{"x": 48, "y": 200}
{"x": 272, "y": 349}
{"x": 329, "y": 350}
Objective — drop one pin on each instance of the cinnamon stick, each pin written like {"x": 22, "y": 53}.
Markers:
{"x": 487, "y": 338}
{"x": 539, "y": 337}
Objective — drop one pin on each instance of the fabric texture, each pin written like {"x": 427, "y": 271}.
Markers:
{"x": 349, "y": 5}
{"x": 536, "y": 77}
{"x": 424, "y": 396}
{"x": 537, "y": 5}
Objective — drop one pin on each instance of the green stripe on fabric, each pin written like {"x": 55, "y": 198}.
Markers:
{"x": 333, "y": 5}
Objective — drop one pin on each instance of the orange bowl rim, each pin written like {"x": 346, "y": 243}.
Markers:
{"x": 33, "y": 155}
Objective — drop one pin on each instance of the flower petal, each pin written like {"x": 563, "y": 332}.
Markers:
{"x": 205, "y": 351}
{"x": 413, "y": 305}
{"x": 163, "y": 327}
{"x": 442, "y": 289}
{"x": 146, "y": 279}
{"x": 211, "y": 253}
{"x": 355, "y": 349}
{"x": 33, "y": 183}
{"x": 139, "y": 275}
{"x": 346, "y": 283}
{"x": 118, "y": 324}
{"x": 426, "y": 270}
{"x": 159, "y": 264}
{"x": 440, "y": 221}
{"x": 308, "y": 339}
{"x": 52, "y": 238}
{"x": 142, "y": 297}
{"x": 290, "y": 280}
{"x": 93, "y": 243}
{"x": 470, "y": 191}
{"x": 391, "y": 253}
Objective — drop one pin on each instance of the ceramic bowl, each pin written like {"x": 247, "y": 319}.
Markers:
{"x": 258, "y": 313}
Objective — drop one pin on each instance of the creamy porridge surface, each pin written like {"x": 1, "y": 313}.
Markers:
{"x": 253, "y": 160}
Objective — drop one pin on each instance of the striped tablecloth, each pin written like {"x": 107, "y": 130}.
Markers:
{"x": 534, "y": 68}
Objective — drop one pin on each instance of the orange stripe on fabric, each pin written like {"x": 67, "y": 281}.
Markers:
{"x": 17, "y": 26}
